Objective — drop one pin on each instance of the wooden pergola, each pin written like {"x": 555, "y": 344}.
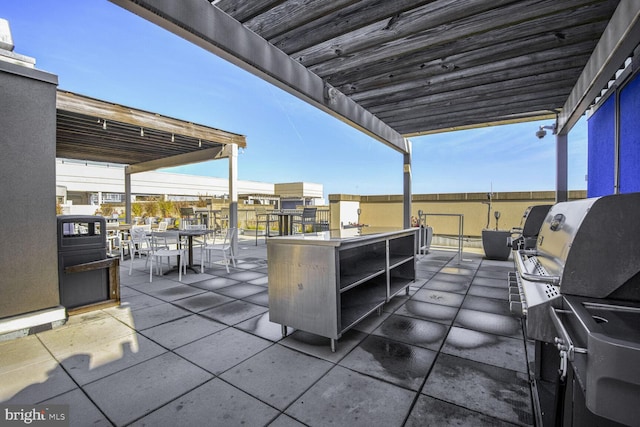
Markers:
{"x": 396, "y": 69}
{"x": 95, "y": 130}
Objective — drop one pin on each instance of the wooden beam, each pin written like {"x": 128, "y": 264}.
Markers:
{"x": 210, "y": 28}
{"x": 71, "y": 102}
{"x": 179, "y": 160}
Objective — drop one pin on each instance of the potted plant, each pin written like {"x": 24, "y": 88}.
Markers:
{"x": 495, "y": 242}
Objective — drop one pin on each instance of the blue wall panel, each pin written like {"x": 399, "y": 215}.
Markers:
{"x": 630, "y": 137}
{"x": 601, "y": 165}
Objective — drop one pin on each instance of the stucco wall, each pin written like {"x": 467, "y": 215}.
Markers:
{"x": 386, "y": 210}
{"x": 29, "y": 256}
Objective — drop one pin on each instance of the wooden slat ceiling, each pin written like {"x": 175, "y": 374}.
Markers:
{"x": 427, "y": 66}
{"x": 94, "y": 130}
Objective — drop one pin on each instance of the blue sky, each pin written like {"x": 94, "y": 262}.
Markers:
{"x": 101, "y": 50}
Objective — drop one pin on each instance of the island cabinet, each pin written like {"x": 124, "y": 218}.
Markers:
{"x": 325, "y": 283}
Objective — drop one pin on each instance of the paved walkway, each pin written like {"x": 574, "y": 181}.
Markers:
{"x": 203, "y": 353}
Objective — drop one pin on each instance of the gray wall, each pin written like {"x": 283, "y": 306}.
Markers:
{"x": 28, "y": 254}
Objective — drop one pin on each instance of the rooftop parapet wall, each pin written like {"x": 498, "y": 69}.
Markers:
{"x": 386, "y": 210}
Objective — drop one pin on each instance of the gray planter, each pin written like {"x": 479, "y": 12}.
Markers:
{"x": 495, "y": 242}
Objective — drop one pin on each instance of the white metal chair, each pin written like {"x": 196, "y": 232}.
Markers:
{"x": 223, "y": 248}
{"x": 162, "y": 226}
{"x": 139, "y": 243}
{"x": 166, "y": 246}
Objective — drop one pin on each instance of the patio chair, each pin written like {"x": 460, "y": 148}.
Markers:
{"x": 308, "y": 217}
{"x": 162, "y": 226}
{"x": 139, "y": 243}
{"x": 266, "y": 218}
{"x": 167, "y": 246}
{"x": 224, "y": 248}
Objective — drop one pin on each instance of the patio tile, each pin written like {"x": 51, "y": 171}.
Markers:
{"x": 452, "y": 278}
{"x": 20, "y": 352}
{"x": 490, "y": 291}
{"x": 489, "y": 322}
{"x": 494, "y": 283}
{"x": 442, "y": 285}
{"x": 396, "y": 302}
{"x": 105, "y": 358}
{"x": 152, "y": 316}
{"x": 193, "y": 277}
{"x": 398, "y": 363}
{"x": 82, "y": 412}
{"x": 458, "y": 270}
{"x": 318, "y": 346}
{"x": 371, "y": 322}
{"x": 222, "y": 350}
{"x": 433, "y": 412}
{"x": 183, "y": 331}
{"x": 489, "y": 305}
{"x": 493, "y": 274}
{"x": 134, "y": 392}
{"x": 126, "y": 291}
{"x": 438, "y": 297}
{"x": 176, "y": 292}
{"x": 214, "y": 403}
{"x": 214, "y": 283}
{"x": 260, "y": 281}
{"x": 261, "y": 298}
{"x": 234, "y": 312}
{"x": 277, "y": 375}
{"x": 202, "y": 301}
{"x": 262, "y": 327}
{"x": 240, "y": 290}
{"x": 81, "y": 338}
{"x": 427, "y": 311}
{"x": 493, "y": 391}
{"x": 344, "y": 397}
{"x": 286, "y": 421}
{"x": 245, "y": 276}
{"x": 135, "y": 302}
{"x": 413, "y": 331}
{"x": 34, "y": 382}
{"x": 491, "y": 349}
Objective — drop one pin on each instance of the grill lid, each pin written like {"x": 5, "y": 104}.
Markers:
{"x": 593, "y": 246}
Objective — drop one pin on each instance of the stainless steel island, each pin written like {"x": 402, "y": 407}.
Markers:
{"x": 327, "y": 282}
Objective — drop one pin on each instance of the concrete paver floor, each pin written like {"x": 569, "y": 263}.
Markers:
{"x": 203, "y": 352}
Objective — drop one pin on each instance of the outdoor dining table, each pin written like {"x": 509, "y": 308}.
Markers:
{"x": 285, "y": 221}
{"x": 190, "y": 234}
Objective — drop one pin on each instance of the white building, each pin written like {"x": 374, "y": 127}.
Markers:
{"x": 82, "y": 186}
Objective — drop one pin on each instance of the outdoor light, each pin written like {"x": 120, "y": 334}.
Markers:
{"x": 542, "y": 132}
{"x": 104, "y": 124}
{"x": 173, "y": 138}
{"x": 199, "y": 143}
{"x": 141, "y": 132}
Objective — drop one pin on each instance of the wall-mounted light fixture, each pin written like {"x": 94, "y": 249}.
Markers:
{"x": 141, "y": 132}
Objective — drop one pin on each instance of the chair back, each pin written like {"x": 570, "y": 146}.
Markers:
{"x": 228, "y": 236}
{"x": 162, "y": 226}
{"x": 196, "y": 227}
{"x": 309, "y": 214}
{"x": 166, "y": 240}
{"x": 138, "y": 234}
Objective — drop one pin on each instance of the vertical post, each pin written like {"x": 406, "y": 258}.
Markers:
{"x": 406, "y": 200}
{"x": 127, "y": 195}
{"x": 562, "y": 192}
{"x": 232, "y": 151}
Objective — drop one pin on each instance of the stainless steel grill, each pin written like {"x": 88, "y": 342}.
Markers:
{"x": 579, "y": 290}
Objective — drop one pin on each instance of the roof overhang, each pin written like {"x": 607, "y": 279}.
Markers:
{"x": 406, "y": 68}
{"x": 94, "y": 130}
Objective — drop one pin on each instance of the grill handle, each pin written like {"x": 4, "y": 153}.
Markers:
{"x": 564, "y": 342}
{"x": 552, "y": 280}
